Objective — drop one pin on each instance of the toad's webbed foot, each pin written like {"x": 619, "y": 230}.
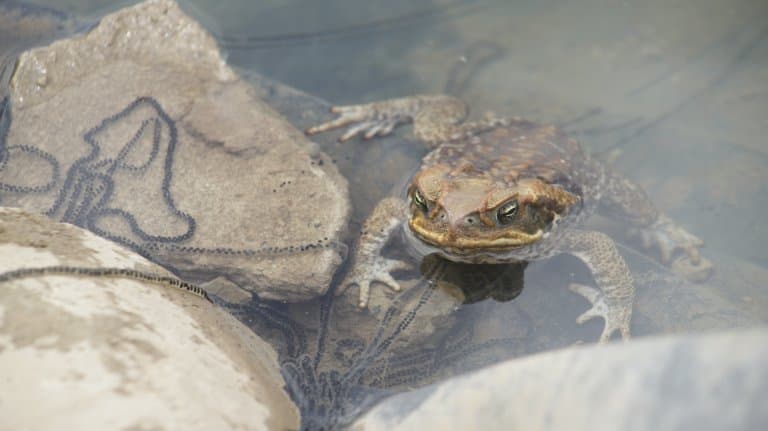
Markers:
{"x": 628, "y": 202}
{"x": 616, "y": 312}
{"x": 368, "y": 120}
{"x": 435, "y": 118}
{"x": 370, "y": 270}
{"x": 677, "y": 248}
{"x": 368, "y": 266}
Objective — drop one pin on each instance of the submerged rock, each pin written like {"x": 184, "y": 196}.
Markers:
{"x": 140, "y": 132}
{"x": 707, "y": 382}
{"x": 83, "y": 350}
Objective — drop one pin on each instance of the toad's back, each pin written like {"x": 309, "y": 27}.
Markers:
{"x": 522, "y": 150}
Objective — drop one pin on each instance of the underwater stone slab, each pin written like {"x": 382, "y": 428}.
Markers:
{"x": 705, "y": 382}
{"x": 140, "y": 132}
{"x": 87, "y": 352}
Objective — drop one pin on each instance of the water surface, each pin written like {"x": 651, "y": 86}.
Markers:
{"x": 675, "y": 95}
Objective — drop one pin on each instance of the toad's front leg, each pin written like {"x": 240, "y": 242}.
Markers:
{"x": 436, "y": 118}
{"x": 368, "y": 266}
{"x": 613, "y": 301}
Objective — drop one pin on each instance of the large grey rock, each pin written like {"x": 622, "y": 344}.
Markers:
{"x": 139, "y": 131}
{"x": 705, "y": 382}
{"x": 97, "y": 352}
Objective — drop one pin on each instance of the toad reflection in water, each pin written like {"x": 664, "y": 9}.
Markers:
{"x": 503, "y": 190}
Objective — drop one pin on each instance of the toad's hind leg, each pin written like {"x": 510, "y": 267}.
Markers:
{"x": 436, "y": 118}
{"x": 368, "y": 266}
{"x": 624, "y": 200}
{"x": 613, "y": 301}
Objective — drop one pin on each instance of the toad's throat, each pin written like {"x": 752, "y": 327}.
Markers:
{"x": 463, "y": 245}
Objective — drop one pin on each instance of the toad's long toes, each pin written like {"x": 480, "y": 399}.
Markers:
{"x": 360, "y": 128}
{"x": 377, "y": 273}
{"x": 615, "y": 313}
{"x": 368, "y": 120}
{"x": 670, "y": 242}
{"x": 347, "y": 115}
{"x": 381, "y": 128}
{"x": 677, "y": 248}
{"x": 365, "y": 288}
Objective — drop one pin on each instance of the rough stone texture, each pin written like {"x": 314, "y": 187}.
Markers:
{"x": 139, "y": 131}
{"x": 711, "y": 382}
{"x": 116, "y": 353}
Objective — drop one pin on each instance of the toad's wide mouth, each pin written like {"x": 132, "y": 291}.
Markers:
{"x": 463, "y": 245}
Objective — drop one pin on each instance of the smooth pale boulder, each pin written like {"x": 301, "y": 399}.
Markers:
{"x": 702, "y": 382}
{"x": 85, "y": 351}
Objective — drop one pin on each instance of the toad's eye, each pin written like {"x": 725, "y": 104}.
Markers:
{"x": 419, "y": 200}
{"x": 506, "y": 212}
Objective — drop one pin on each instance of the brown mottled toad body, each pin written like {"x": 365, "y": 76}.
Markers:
{"x": 504, "y": 190}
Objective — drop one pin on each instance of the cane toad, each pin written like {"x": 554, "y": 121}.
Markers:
{"x": 501, "y": 190}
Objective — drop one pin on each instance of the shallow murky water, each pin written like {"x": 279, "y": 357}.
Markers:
{"x": 676, "y": 97}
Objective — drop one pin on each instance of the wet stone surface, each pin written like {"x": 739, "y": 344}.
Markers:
{"x": 138, "y": 131}
{"x": 100, "y": 330}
